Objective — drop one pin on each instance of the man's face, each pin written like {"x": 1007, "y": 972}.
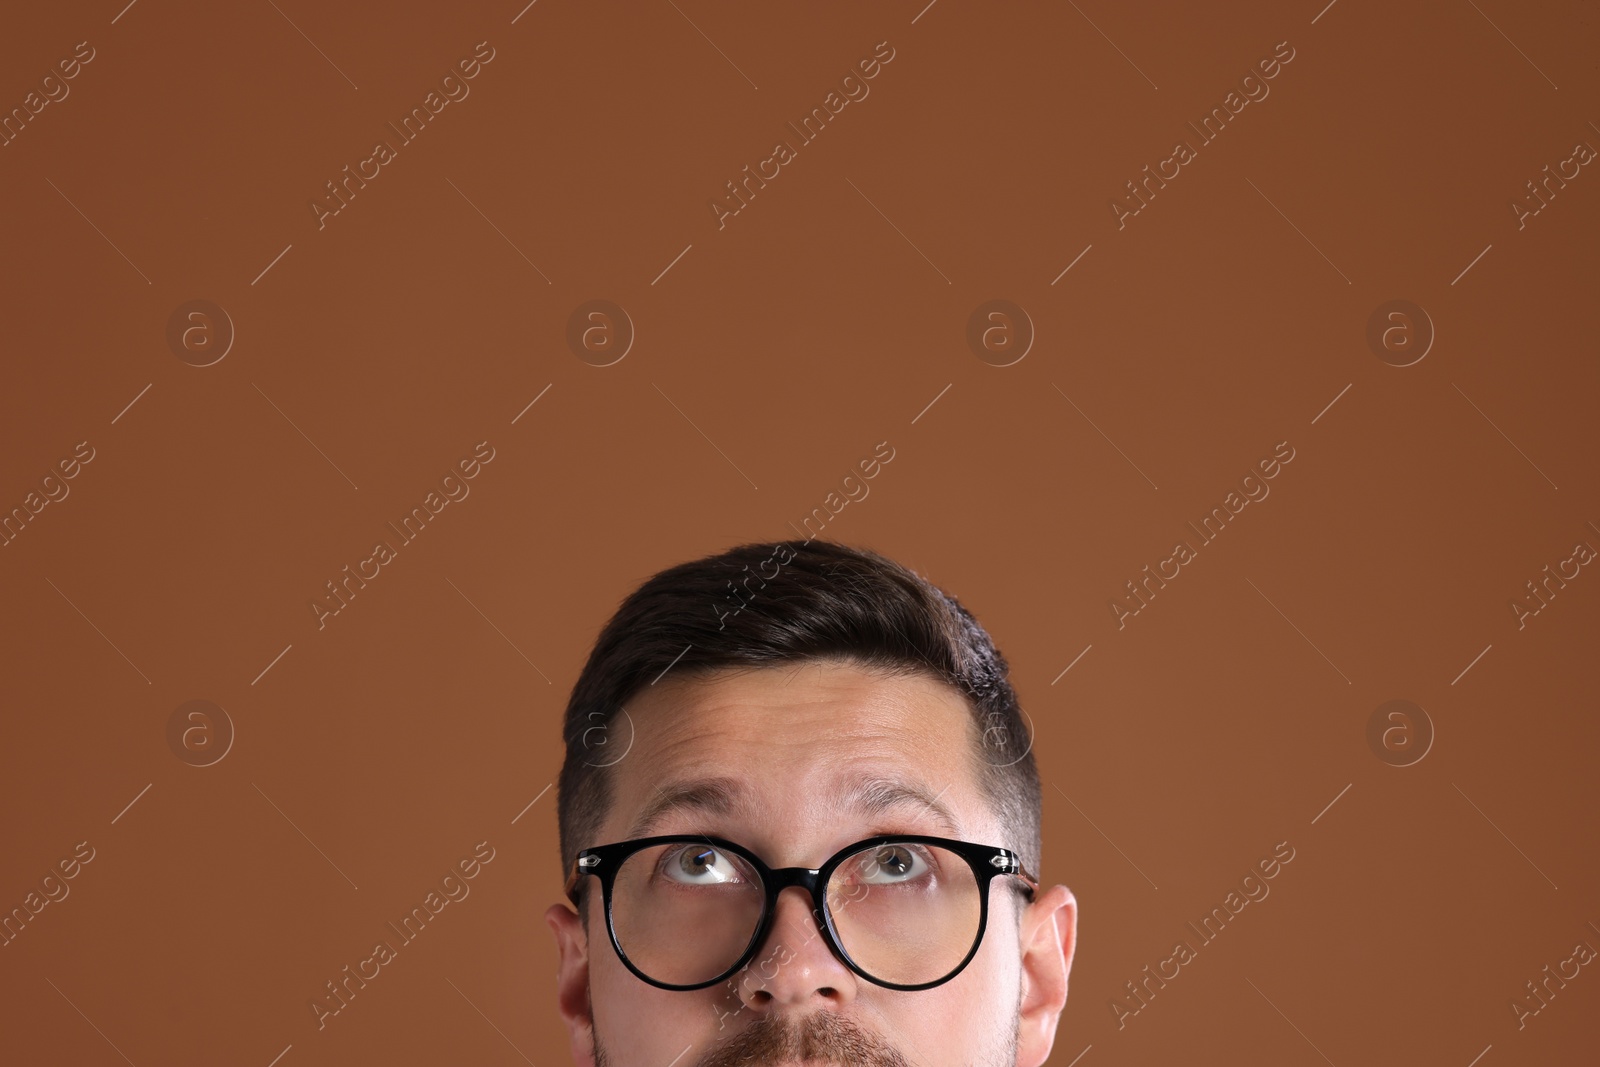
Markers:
{"x": 789, "y": 744}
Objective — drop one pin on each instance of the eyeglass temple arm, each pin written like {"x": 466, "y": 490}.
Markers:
{"x": 1027, "y": 879}
{"x": 580, "y": 867}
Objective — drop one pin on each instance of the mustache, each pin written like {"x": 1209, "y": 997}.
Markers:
{"x": 820, "y": 1037}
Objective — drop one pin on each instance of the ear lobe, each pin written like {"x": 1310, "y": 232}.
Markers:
{"x": 1047, "y": 938}
{"x": 572, "y": 981}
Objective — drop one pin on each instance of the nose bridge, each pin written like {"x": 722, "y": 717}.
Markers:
{"x": 795, "y": 929}
{"x": 783, "y": 929}
{"x": 795, "y": 960}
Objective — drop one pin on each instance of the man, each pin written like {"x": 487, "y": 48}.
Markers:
{"x": 799, "y": 816}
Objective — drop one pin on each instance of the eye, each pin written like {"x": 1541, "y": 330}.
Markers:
{"x": 891, "y": 865}
{"x": 700, "y": 865}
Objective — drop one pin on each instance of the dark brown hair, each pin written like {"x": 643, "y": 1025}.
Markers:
{"x": 759, "y": 605}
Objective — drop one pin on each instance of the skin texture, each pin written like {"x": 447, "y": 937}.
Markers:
{"x": 793, "y": 738}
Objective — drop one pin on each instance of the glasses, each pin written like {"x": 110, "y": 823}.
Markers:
{"x": 904, "y": 912}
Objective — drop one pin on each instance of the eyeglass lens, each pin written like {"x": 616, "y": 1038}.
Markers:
{"x": 906, "y": 913}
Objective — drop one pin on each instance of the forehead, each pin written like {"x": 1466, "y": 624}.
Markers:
{"x": 791, "y": 743}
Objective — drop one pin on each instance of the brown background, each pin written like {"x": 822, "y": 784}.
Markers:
{"x": 829, "y": 315}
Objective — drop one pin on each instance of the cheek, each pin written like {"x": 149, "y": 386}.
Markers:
{"x": 638, "y": 1023}
{"x": 969, "y": 1019}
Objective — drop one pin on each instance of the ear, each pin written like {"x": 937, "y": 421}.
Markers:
{"x": 1047, "y": 936}
{"x": 572, "y": 981}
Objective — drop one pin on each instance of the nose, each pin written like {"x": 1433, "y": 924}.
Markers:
{"x": 794, "y": 967}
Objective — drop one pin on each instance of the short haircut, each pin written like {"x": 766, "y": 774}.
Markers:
{"x": 825, "y": 601}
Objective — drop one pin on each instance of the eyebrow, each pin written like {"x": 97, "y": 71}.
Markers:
{"x": 723, "y": 796}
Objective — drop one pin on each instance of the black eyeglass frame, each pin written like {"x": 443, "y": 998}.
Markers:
{"x": 987, "y": 862}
